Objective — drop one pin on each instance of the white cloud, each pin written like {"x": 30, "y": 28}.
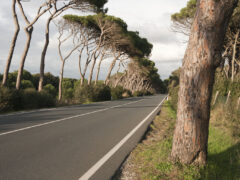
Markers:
{"x": 164, "y": 52}
{"x": 150, "y": 17}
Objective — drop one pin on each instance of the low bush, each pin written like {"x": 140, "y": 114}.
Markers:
{"x": 103, "y": 93}
{"x": 127, "y": 94}
{"x": 68, "y": 94}
{"x": 147, "y": 93}
{"x": 142, "y": 93}
{"x": 138, "y": 93}
{"x": 12, "y": 100}
{"x": 49, "y": 88}
{"x": 9, "y": 99}
{"x": 26, "y": 84}
{"x": 173, "y": 93}
{"x": 117, "y": 92}
{"x": 86, "y": 93}
{"x": 83, "y": 93}
{"x": 30, "y": 98}
{"x": 46, "y": 99}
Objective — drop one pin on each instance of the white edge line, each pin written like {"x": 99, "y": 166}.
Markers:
{"x": 54, "y": 108}
{"x": 106, "y": 157}
{"x": 27, "y": 112}
{"x": 64, "y": 119}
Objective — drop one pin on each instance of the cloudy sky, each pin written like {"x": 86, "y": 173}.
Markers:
{"x": 152, "y": 18}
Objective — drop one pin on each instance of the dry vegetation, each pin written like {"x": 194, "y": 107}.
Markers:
{"x": 150, "y": 160}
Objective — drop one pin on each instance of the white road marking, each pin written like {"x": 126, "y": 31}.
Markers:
{"x": 51, "y": 109}
{"x": 27, "y": 112}
{"x": 64, "y": 119}
{"x": 105, "y": 158}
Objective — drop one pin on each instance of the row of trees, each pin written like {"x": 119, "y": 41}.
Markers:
{"x": 93, "y": 38}
{"x": 54, "y": 8}
{"x": 141, "y": 75}
{"x": 99, "y": 37}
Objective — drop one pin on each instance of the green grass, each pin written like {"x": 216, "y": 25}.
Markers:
{"x": 223, "y": 157}
{"x": 151, "y": 158}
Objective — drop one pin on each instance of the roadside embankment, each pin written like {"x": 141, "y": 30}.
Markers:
{"x": 150, "y": 159}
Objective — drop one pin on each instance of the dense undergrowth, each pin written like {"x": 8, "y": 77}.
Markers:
{"x": 30, "y": 98}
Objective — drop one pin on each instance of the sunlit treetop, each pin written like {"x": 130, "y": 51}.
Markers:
{"x": 92, "y": 21}
{"x": 131, "y": 43}
{"x": 187, "y": 12}
{"x": 142, "y": 47}
{"x": 97, "y": 5}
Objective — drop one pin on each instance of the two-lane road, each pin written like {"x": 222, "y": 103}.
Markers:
{"x": 71, "y": 143}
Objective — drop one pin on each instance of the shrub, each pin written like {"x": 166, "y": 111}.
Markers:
{"x": 30, "y": 98}
{"x": 46, "y": 99}
{"x": 84, "y": 93}
{"x": 147, "y": 93}
{"x": 49, "y": 88}
{"x": 138, "y": 93}
{"x": 234, "y": 87}
{"x": 9, "y": 99}
{"x": 117, "y": 92}
{"x": 26, "y": 84}
{"x": 92, "y": 93}
{"x": 68, "y": 94}
{"x": 173, "y": 93}
{"x": 102, "y": 92}
{"x": 127, "y": 93}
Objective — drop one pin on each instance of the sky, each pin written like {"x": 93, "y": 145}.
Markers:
{"x": 151, "y": 18}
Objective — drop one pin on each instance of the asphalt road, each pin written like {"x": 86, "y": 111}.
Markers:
{"x": 71, "y": 143}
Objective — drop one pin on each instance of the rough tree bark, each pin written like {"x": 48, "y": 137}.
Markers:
{"x": 111, "y": 68}
{"x": 62, "y": 58}
{"x": 29, "y": 30}
{"x": 60, "y": 81}
{"x": 99, "y": 66}
{"x": 53, "y": 15}
{"x": 95, "y": 57}
{"x": 43, "y": 55}
{"x": 196, "y": 80}
{"x": 22, "y": 62}
{"x": 13, "y": 44}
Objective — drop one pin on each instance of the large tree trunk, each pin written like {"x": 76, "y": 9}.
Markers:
{"x": 98, "y": 71}
{"x": 13, "y": 44}
{"x": 60, "y": 81}
{"x": 196, "y": 80}
{"x": 42, "y": 63}
{"x": 98, "y": 68}
{"x": 91, "y": 70}
{"x": 119, "y": 80}
{"x": 22, "y": 62}
{"x": 110, "y": 70}
{"x": 84, "y": 71}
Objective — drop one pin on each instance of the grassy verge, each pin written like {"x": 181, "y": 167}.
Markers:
{"x": 150, "y": 160}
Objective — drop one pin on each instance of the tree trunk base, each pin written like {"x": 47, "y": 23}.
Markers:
{"x": 200, "y": 159}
